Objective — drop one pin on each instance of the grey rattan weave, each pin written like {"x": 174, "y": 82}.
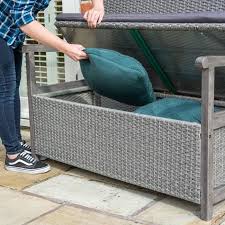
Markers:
{"x": 162, "y": 6}
{"x": 219, "y": 149}
{"x": 121, "y": 145}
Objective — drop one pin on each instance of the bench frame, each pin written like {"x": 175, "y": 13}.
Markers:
{"x": 210, "y": 120}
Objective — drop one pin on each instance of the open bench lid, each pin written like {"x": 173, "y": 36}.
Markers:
{"x": 191, "y": 17}
{"x": 175, "y": 40}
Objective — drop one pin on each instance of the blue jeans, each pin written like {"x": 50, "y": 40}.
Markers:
{"x": 10, "y": 76}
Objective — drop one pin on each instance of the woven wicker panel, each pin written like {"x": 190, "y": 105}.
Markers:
{"x": 162, "y": 155}
{"x": 219, "y": 155}
{"x": 84, "y": 98}
{"x": 163, "y": 6}
{"x": 90, "y": 98}
{"x": 112, "y": 104}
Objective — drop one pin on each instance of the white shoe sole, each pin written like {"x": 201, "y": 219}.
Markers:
{"x": 29, "y": 171}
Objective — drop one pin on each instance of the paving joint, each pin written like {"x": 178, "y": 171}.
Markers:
{"x": 45, "y": 198}
{"x": 148, "y": 206}
{"x": 128, "y": 218}
{"x": 44, "y": 214}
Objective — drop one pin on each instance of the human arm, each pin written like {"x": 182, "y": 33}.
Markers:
{"x": 38, "y": 32}
{"x": 22, "y": 13}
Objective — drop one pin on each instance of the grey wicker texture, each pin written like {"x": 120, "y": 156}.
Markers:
{"x": 163, "y": 6}
{"x": 219, "y": 147}
{"x": 92, "y": 98}
{"x": 83, "y": 98}
{"x": 144, "y": 26}
{"x": 112, "y": 104}
{"x": 159, "y": 154}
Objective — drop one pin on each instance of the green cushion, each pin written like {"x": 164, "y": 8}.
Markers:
{"x": 174, "y": 108}
{"x": 117, "y": 76}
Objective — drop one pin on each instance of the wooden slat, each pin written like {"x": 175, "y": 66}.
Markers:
{"x": 206, "y": 144}
{"x": 210, "y": 61}
{"x": 37, "y": 48}
{"x": 62, "y": 86}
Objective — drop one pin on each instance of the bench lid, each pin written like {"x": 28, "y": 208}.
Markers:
{"x": 192, "y": 17}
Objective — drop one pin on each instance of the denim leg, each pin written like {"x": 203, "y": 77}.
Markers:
{"x": 18, "y": 65}
{"x": 7, "y": 97}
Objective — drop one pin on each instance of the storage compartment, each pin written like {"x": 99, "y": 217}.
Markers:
{"x": 155, "y": 153}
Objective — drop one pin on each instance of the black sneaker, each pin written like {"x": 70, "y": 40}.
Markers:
{"x": 26, "y": 163}
{"x": 26, "y": 147}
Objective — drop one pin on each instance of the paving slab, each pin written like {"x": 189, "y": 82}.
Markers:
{"x": 92, "y": 194}
{"x": 172, "y": 211}
{"x": 77, "y": 216}
{"x": 89, "y": 175}
{"x": 17, "y": 208}
{"x": 99, "y": 178}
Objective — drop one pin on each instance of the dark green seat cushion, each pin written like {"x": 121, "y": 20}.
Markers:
{"x": 174, "y": 108}
{"x": 117, "y": 76}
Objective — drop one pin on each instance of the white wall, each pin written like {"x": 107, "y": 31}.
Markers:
{"x": 71, "y": 6}
{"x": 72, "y": 69}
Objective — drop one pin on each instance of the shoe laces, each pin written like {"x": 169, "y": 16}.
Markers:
{"x": 27, "y": 156}
{"x": 26, "y": 146}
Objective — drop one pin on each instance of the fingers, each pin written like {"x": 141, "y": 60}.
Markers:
{"x": 80, "y": 47}
{"x": 100, "y": 18}
{"x": 93, "y": 17}
{"x": 90, "y": 18}
{"x": 78, "y": 57}
{"x": 76, "y": 52}
{"x": 82, "y": 55}
{"x": 86, "y": 15}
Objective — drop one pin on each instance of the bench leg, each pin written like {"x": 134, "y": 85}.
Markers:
{"x": 207, "y": 176}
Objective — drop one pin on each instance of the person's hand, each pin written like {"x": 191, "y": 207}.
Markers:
{"x": 94, "y": 16}
{"x": 75, "y": 52}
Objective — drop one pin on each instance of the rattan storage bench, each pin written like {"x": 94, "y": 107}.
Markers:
{"x": 181, "y": 44}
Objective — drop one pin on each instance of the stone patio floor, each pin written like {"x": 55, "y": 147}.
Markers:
{"x": 70, "y": 196}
